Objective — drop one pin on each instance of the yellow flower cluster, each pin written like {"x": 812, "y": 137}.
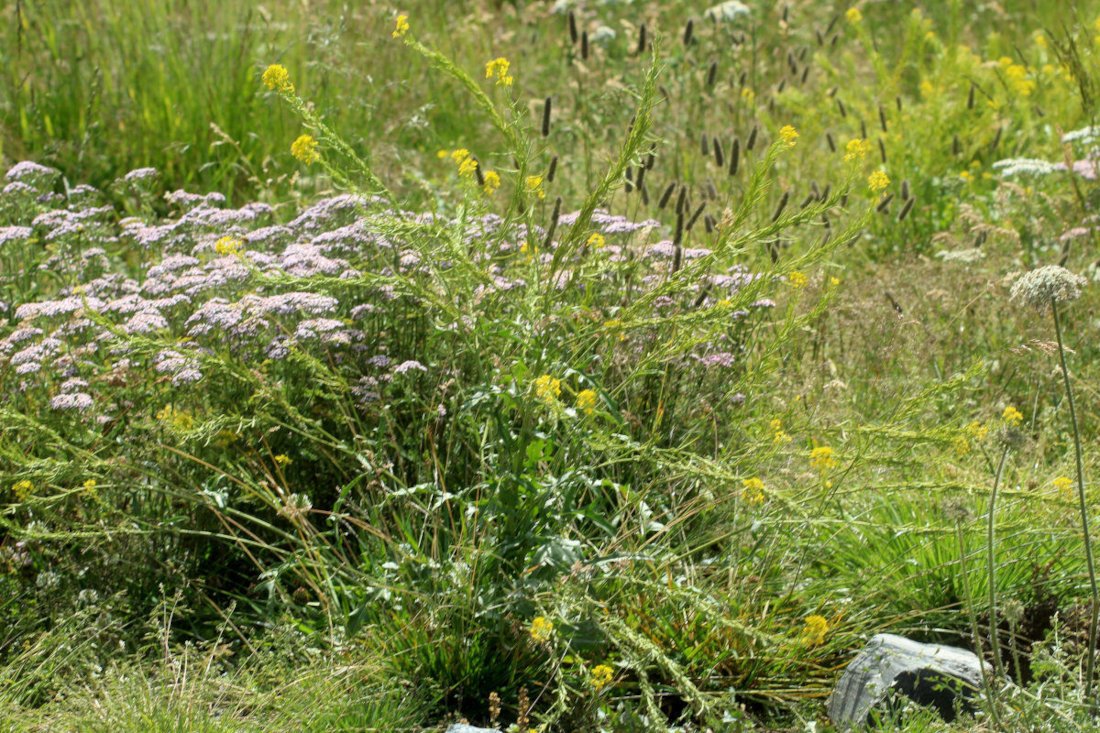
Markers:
{"x": 229, "y": 245}
{"x": 498, "y": 67}
{"x": 1012, "y": 416}
{"x": 878, "y": 181}
{"x": 788, "y": 136}
{"x": 401, "y": 27}
{"x": 856, "y": 150}
{"x": 467, "y": 167}
{"x": 492, "y": 182}
{"x": 547, "y": 389}
{"x": 601, "y": 676}
{"x": 534, "y": 186}
{"x": 779, "y": 435}
{"x": 305, "y": 149}
{"x": 542, "y": 629}
{"x": 586, "y": 401}
{"x": 22, "y": 489}
{"x": 283, "y": 459}
{"x": 1063, "y": 484}
{"x": 797, "y": 280}
{"x": 596, "y": 240}
{"x": 854, "y": 16}
{"x": 277, "y": 78}
{"x": 822, "y": 459}
{"x": 814, "y": 632}
{"x": 1016, "y": 77}
{"x": 178, "y": 419}
{"x": 752, "y": 491}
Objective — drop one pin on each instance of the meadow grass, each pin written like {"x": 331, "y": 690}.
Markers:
{"x": 640, "y": 408}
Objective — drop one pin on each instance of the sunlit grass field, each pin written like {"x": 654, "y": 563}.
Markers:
{"x": 554, "y": 366}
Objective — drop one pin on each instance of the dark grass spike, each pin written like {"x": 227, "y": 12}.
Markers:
{"x": 773, "y": 250}
{"x": 882, "y": 118}
{"x": 906, "y": 209}
{"x": 782, "y": 205}
{"x": 844, "y": 200}
{"x": 862, "y": 129}
{"x": 956, "y": 146}
{"x": 832, "y": 24}
{"x": 689, "y": 32}
{"x": 996, "y": 139}
{"x": 642, "y": 40}
{"x": 840, "y": 108}
{"x": 702, "y": 294}
{"x": 897, "y": 102}
{"x": 735, "y": 156}
{"x": 629, "y": 179}
{"x": 810, "y": 198}
{"x": 644, "y": 191}
{"x": 719, "y": 154}
{"x": 779, "y": 89}
{"x": 803, "y": 54}
{"x": 831, "y": 93}
{"x": 677, "y": 241}
{"x": 651, "y": 159}
{"x": 742, "y": 79}
{"x": 639, "y": 179}
{"x": 751, "y": 142}
{"x": 826, "y": 191}
{"x": 712, "y": 190}
{"x": 704, "y": 145}
{"x": 825, "y": 221}
{"x": 695, "y": 217}
{"x": 832, "y": 43}
{"x": 480, "y": 175}
{"x": 712, "y": 74}
{"x": 882, "y": 150}
{"x": 709, "y": 223}
{"x": 885, "y": 203}
{"x": 820, "y": 37}
{"x": 663, "y": 201}
{"x": 815, "y": 190}
{"x": 573, "y": 27}
{"x": 553, "y": 169}
{"x": 970, "y": 97}
{"x": 805, "y": 75}
{"x": 681, "y": 201}
{"x": 786, "y": 13}
{"x": 905, "y": 190}
{"x": 546, "y": 107}
{"x": 550, "y": 230}
{"x": 830, "y": 142}
{"x": 584, "y": 45}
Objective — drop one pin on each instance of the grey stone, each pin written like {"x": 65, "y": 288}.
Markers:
{"x": 941, "y": 677}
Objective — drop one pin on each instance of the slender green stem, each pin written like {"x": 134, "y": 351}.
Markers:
{"x": 987, "y": 676}
{"x": 991, "y": 566}
{"x": 1095, "y": 596}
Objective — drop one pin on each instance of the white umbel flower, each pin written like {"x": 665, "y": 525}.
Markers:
{"x": 1046, "y": 285}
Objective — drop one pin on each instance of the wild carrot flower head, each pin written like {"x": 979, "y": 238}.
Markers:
{"x": 498, "y": 67}
{"x": 788, "y": 135}
{"x": 401, "y": 27}
{"x": 1046, "y": 285}
{"x": 277, "y": 78}
{"x": 305, "y": 149}
{"x": 541, "y": 629}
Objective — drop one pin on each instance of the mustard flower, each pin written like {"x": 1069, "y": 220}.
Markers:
{"x": 542, "y": 629}
{"x": 229, "y": 245}
{"x": 797, "y": 280}
{"x": 492, "y": 182}
{"x": 1012, "y": 416}
{"x": 1063, "y": 483}
{"x": 305, "y": 149}
{"x": 856, "y": 150}
{"x": 752, "y": 491}
{"x": 854, "y": 16}
{"x": 822, "y": 459}
{"x": 401, "y": 27}
{"x": 596, "y": 240}
{"x": 878, "y": 180}
{"x": 814, "y": 632}
{"x": 467, "y": 167}
{"x": 22, "y": 489}
{"x": 498, "y": 67}
{"x": 283, "y": 459}
{"x": 534, "y": 186}
{"x": 788, "y": 135}
{"x": 586, "y": 401}
{"x": 277, "y": 78}
{"x": 547, "y": 389}
{"x": 779, "y": 435}
{"x": 601, "y": 676}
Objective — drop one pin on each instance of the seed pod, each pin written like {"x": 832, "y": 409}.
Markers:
{"x": 906, "y": 209}
{"x": 689, "y": 32}
{"x": 751, "y": 142}
{"x": 546, "y": 118}
{"x": 572, "y": 28}
{"x": 885, "y": 203}
{"x": 719, "y": 155}
{"x": 782, "y": 205}
{"x": 553, "y": 169}
{"x": 666, "y": 195}
{"x": 735, "y": 156}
